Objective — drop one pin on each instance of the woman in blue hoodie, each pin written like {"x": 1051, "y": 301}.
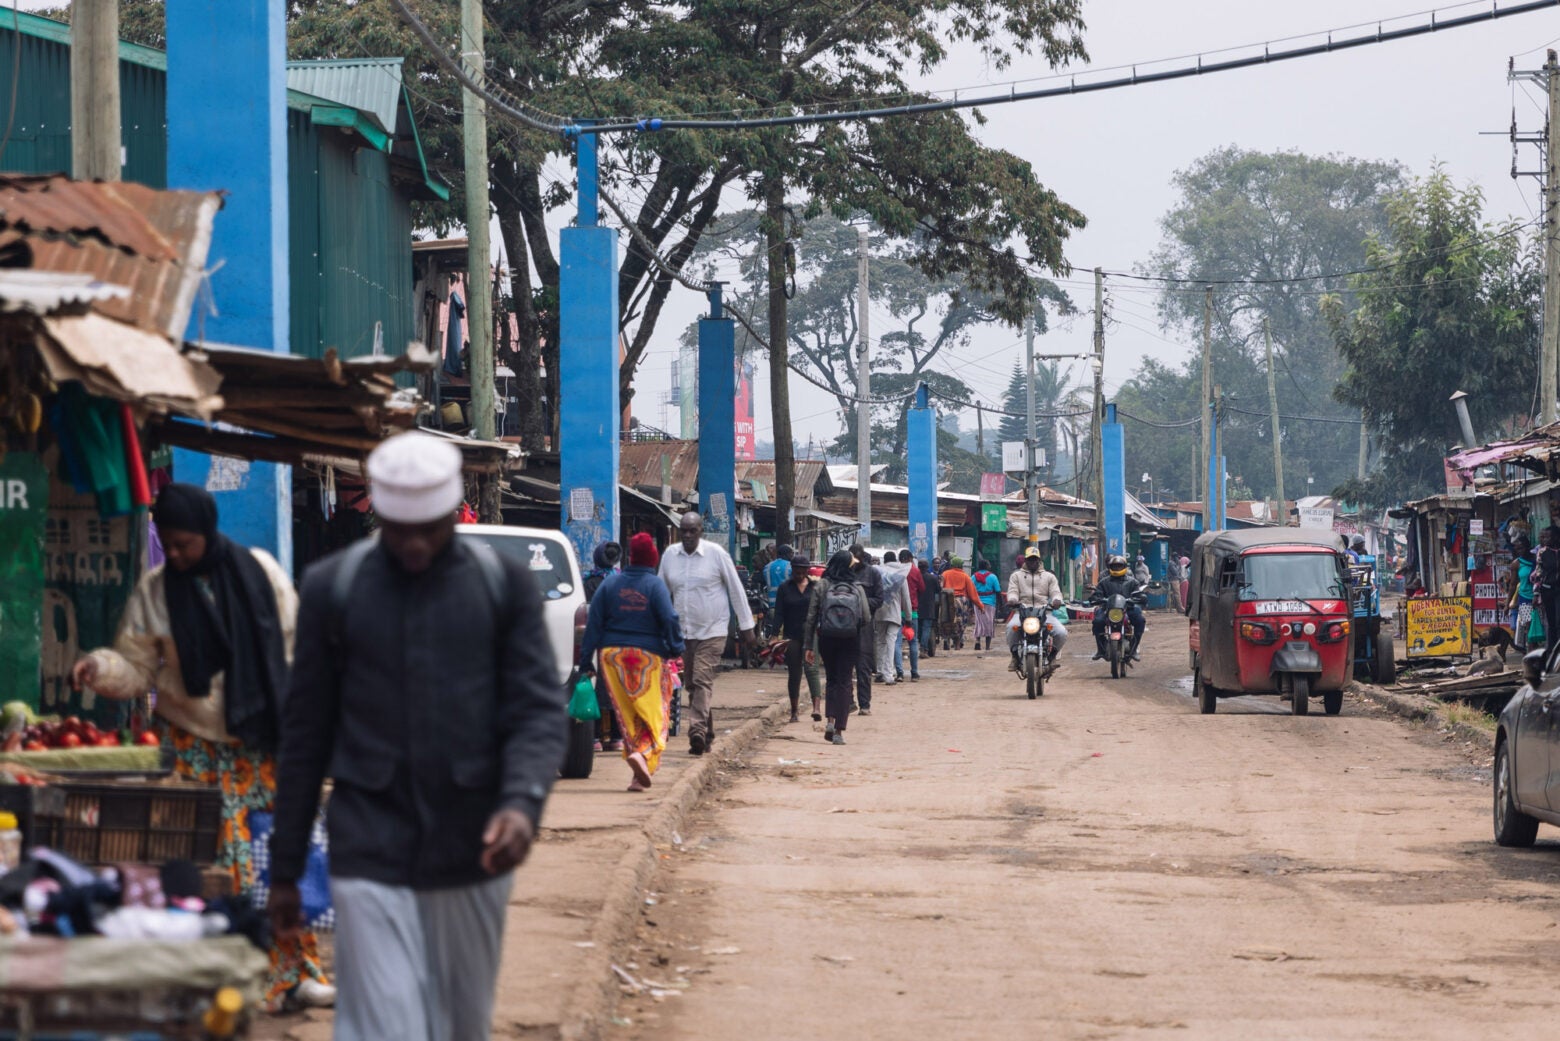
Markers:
{"x": 634, "y": 628}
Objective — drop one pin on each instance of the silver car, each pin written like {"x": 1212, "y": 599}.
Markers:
{"x": 550, "y": 558}
{"x": 1527, "y": 754}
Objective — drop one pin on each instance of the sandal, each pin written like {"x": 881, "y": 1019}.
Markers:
{"x": 817, "y": 717}
{"x": 636, "y": 762}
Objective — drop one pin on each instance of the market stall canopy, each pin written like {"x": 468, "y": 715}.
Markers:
{"x": 284, "y": 408}
{"x": 1532, "y": 452}
{"x": 153, "y": 243}
{"x": 123, "y": 363}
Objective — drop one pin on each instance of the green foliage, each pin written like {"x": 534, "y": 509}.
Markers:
{"x": 1269, "y": 223}
{"x": 1050, "y": 394}
{"x": 1451, "y": 303}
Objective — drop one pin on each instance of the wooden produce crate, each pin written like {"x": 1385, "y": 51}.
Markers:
{"x": 144, "y": 823}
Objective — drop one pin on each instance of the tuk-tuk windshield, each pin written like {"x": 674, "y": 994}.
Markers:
{"x": 1291, "y": 576}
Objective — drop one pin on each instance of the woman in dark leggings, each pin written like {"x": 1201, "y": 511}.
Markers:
{"x": 839, "y": 652}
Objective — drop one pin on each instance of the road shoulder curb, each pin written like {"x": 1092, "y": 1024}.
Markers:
{"x": 595, "y": 994}
{"x": 1420, "y": 709}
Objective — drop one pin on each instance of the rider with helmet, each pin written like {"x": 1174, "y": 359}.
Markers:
{"x": 1357, "y": 549}
{"x": 1118, "y": 580}
{"x": 1033, "y": 586}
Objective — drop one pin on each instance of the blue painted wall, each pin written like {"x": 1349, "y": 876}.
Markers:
{"x": 718, "y": 427}
{"x": 227, "y": 125}
{"x": 1113, "y": 447}
{"x": 923, "y": 475}
{"x": 589, "y": 413}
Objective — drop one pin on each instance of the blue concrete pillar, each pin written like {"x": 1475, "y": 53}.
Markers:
{"x": 1224, "y": 487}
{"x": 922, "y": 422}
{"x": 227, "y": 129}
{"x": 718, "y": 424}
{"x": 1113, "y": 448}
{"x": 589, "y": 413}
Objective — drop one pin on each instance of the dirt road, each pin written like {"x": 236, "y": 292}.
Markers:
{"x": 1104, "y": 862}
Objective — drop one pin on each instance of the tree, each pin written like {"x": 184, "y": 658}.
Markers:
{"x": 1262, "y": 228}
{"x": 1450, "y": 302}
{"x": 1050, "y": 392}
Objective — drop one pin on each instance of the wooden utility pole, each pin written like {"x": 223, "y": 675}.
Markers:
{"x": 1278, "y": 448}
{"x": 1549, "y": 359}
{"x": 1098, "y": 425}
{"x": 980, "y": 434}
{"x": 479, "y": 255}
{"x": 95, "y": 149}
{"x": 1364, "y": 447}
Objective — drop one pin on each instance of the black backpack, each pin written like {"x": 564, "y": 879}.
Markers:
{"x": 841, "y": 611}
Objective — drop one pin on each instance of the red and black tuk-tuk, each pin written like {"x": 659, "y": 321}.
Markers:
{"x": 1270, "y": 614}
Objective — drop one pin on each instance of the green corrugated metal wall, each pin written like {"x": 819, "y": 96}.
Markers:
{"x": 40, "y": 133}
{"x": 349, "y": 229}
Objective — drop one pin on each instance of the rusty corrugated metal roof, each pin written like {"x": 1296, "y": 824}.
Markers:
{"x": 152, "y": 242}
{"x": 812, "y": 479}
{"x": 639, "y": 465}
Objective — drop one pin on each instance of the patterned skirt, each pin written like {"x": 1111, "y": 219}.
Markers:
{"x": 640, "y": 686}
{"x": 248, "y": 782}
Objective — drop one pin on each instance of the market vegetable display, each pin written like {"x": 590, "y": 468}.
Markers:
{"x": 25, "y": 732}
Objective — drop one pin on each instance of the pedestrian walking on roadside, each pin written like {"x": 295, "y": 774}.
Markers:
{"x": 776, "y": 573}
{"x": 870, "y": 580}
{"x": 838, "y": 622}
{"x": 988, "y": 586}
{"x": 791, "y": 605}
{"x": 211, "y": 630}
{"x": 1546, "y": 581}
{"x": 422, "y": 686}
{"x": 634, "y": 629}
{"x": 706, "y": 591}
{"x": 890, "y": 618}
{"x": 605, "y": 560}
{"x": 931, "y": 600}
{"x": 1521, "y": 591}
{"x": 917, "y": 582}
{"x": 1173, "y": 576}
{"x": 957, "y": 588}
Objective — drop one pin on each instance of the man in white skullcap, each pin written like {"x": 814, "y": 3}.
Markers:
{"x": 421, "y": 687}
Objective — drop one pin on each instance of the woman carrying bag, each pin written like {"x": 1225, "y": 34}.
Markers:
{"x": 211, "y": 630}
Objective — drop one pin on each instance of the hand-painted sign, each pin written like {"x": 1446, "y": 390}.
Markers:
{"x": 1439, "y": 626}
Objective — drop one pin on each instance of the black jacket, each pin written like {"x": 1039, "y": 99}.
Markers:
{"x": 791, "y": 605}
{"x": 429, "y": 720}
{"x": 1109, "y": 587}
{"x": 870, "y": 579}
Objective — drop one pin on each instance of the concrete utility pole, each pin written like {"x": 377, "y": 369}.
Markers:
{"x": 1207, "y": 401}
{"x": 864, "y": 389}
{"x": 980, "y": 431}
{"x": 95, "y": 149}
{"x": 479, "y": 256}
{"x": 1031, "y": 489}
{"x": 1278, "y": 448}
{"x": 1097, "y": 433}
{"x": 1365, "y": 447}
{"x": 1551, "y": 353}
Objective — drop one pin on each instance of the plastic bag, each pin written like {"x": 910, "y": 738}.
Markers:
{"x": 582, "y": 704}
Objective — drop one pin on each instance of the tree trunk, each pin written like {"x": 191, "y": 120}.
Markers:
{"x": 527, "y": 361}
{"x": 527, "y": 183}
{"x": 779, "y": 358}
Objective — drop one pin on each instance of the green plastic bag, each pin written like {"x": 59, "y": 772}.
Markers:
{"x": 583, "y": 705}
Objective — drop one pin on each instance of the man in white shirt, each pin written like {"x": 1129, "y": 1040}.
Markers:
{"x": 706, "y": 591}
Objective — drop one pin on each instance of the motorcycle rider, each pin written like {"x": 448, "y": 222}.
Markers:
{"x": 1118, "y": 580}
{"x": 1033, "y": 586}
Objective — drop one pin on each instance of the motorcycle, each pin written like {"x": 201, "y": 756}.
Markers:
{"x": 1118, "y": 631}
{"x": 1035, "y": 648}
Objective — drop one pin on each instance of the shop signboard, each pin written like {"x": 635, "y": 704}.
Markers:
{"x": 24, "y": 506}
{"x": 1439, "y": 626}
{"x": 992, "y": 487}
{"x": 1488, "y": 603}
{"x": 1316, "y": 517}
{"x": 993, "y": 517}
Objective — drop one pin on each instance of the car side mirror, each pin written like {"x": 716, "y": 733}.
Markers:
{"x": 1533, "y": 667}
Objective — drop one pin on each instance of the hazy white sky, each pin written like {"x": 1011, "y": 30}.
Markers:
{"x": 1112, "y": 154}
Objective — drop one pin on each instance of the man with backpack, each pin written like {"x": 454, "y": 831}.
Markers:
{"x": 420, "y": 686}
{"x": 837, "y": 626}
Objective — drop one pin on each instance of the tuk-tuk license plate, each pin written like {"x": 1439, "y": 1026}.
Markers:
{"x": 1282, "y": 607}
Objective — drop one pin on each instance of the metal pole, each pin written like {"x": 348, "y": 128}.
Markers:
{"x": 479, "y": 258}
{"x": 1031, "y": 486}
{"x": 1098, "y": 431}
{"x": 1207, "y": 403}
{"x": 1551, "y": 352}
{"x": 1278, "y": 448}
{"x": 94, "y": 91}
{"x": 864, "y": 389}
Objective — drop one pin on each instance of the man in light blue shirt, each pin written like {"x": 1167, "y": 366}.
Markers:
{"x": 776, "y": 574}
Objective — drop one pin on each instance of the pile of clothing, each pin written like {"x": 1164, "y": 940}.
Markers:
{"x": 49, "y": 894}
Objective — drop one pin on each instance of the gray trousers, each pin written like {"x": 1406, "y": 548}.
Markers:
{"x": 417, "y": 965}
{"x": 701, "y": 662}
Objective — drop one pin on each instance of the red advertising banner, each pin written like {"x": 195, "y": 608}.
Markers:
{"x": 747, "y": 448}
{"x": 992, "y": 487}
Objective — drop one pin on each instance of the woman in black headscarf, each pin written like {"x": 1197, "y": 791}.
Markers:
{"x": 837, "y": 599}
{"x": 211, "y": 631}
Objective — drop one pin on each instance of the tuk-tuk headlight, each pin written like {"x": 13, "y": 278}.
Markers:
{"x": 1258, "y": 632}
{"x": 1031, "y": 626}
{"x": 1117, "y": 614}
{"x": 1310, "y": 628}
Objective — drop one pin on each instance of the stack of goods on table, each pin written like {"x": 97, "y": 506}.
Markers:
{"x": 123, "y": 950}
